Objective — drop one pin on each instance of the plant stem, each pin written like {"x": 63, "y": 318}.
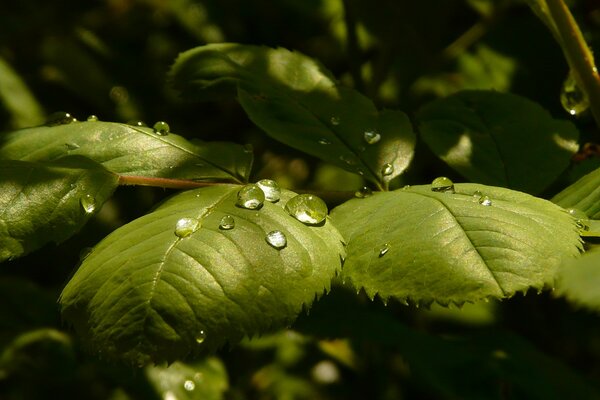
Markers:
{"x": 167, "y": 183}
{"x": 578, "y": 54}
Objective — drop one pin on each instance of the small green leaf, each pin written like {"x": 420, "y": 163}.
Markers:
{"x": 579, "y": 281}
{"x": 298, "y": 102}
{"x": 583, "y": 195}
{"x": 131, "y": 150}
{"x": 179, "y": 281}
{"x": 48, "y": 202}
{"x": 478, "y": 242}
{"x": 498, "y": 139}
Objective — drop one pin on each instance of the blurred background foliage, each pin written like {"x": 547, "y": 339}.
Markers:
{"x": 110, "y": 58}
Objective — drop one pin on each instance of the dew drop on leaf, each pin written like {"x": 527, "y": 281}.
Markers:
{"x": 477, "y": 194}
{"x": 349, "y": 160}
{"x": 307, "y": 208}
{"x": 71, "y": 146}
{"x": 363, "y": 192}
{"x": 227, "y": 223}
{"x": 88, "y": 203}
{"x": 324, "y": 141}
{"x": 276, "y": 239}
{"x": 371, "y": 137}
{"x": 485, "y": 201}
{"x": 136, "y": 122}
{"x": 189, "y": 385}
{"x": 334, "y": 120}
{"x": 581, "y": 219}
{"x": 250, "y": 197}
{"x": 92, "y": 118}
{"x": 186, "y": 226}
{"x": 271, "y": 190}
{"x": 405, "y": 187}
{"x": 59, "y": 118}
{"x": 384, "y": 249}
{"x": 572, "y": 98}
{"x": 161, "y": 128}
{"x": 387, "y": 169}
{"x": 201, "y": 337}
{"x": 442, "y": 184}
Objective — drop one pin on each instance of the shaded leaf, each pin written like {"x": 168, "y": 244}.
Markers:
{"x": 131, "y": 150}
{"x": 583, "y": 195}
{"x": 145, "y": 293}
{"x": 18, "y": 99}
{"x": 48, "y": 202}
{"x": 498, "y": 139}
{"x": 298, "y": 102}
{"x": 579, "y": 281}
{"x": 426, "y": 246}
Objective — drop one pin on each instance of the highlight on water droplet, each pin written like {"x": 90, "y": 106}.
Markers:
{"x": 442, "y": 184}
{"x": 572, "y": 98}
{"x": 363, "y": 192}
{"x": 227, "y": 223}
{"x": 350, "y": 160}
{"x": 201, "y": 337}
{"x": 276, "y": 239}
{"x": 186, "y": 226}
{"x": 371, "y": 136}
{"x": 581, "y": 219}
{"x": 189, "y": 385}
{"x": 307, "y": 208}
{"x": 59, "y": 118}
{"x": 88, "y": 203}
{"x": 92, "y": 118}
{"x": 334, "y": 120}
{"x": 477, "y": 194}
{"x": 71, "y": 146}
{"x": 387, "y": 169}
{"x": 136, "y": 122}
{"x": 485, "y": 201}
{"x": 250, "y": 197}
{"x": 324, "y": 141}
{"x": 271, "y": 190}
{"x": 384, "y": 249}
{"x": 161, "y": 128}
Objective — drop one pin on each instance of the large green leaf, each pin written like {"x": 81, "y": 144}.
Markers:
{"x": 421, "y": 245}
{"x": 298, "y": 102}
{"x": 130, "y": 150}
{"x": 48, "y": 202}
{"x": 583, "y": 195}
{"x": 579, "y": 281}
{"x": 498, "y": 139}
{"x": 146, "y": 293}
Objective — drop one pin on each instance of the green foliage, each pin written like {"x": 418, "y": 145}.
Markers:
{"x": 578, "y": 281}
{"x": 583, "y": 195}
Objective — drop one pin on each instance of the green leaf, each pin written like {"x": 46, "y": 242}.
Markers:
{"x": 298, "y": 102}
{"x": 583, "y": 195}
{"x": 18, "y": 99}
{"x": 204, "y": 380}
{"x": 498, "y": 139}
{"x": 579, "y": 281}
{"x": 131, "y": 150}
{"x": 146, "y": 293}
{"x": 425, "y": 246}
{"x": 48, "y": 202}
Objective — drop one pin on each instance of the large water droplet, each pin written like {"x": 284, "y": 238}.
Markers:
{"x": 227, "y": 223}
{"x": 59, "y": 118}
{"x": 271, "y": 190}
{"x": 186, "y": 226}
{"x": 161, "y": 128}
{"x": 92, "y": 118}
{"x": 371, "y": 137}
{"x": 250, "y": 197}
{"x": 363, "y": 192}
{"x": 276, "y": 239}
{"x": 189, "y": 385}
{"x": 485, "y": 201}
{"x": 572, "y": 98}
{"x": 201, "y": 337}
{"x": 324, "y": 141}
{"x": 442, "y": 184}
{"x": 88, "y": 203}
{"x": 71, "y": 146}
{"x": 384, "y": 249}
{"x": 307, "y": 208}
{"x": 334, "y": 120}
{"x": 581, "y": 219}
{"x": 387, "y": 169}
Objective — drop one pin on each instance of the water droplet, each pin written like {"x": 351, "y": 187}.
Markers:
{"x": 581, "y": 219}
{"x": 387, "y": 169}
{"x": 248, "y": 149}
{"x": 334, "y": 120}
{"x": 271, "y": 189}
{"x": 384, "y": 249}
{"x": 161, "y": 128}
{"x": 442, "y": 184}
{"x": 572, "y": 98}
{"x": 250, "y": 197}
{"x": 405, "y": 187}
{"x": 92, "y": 118}
{"x": 307, "y": 208}
{"x": 186, "y": 226}
{"x": 485, "y": 201}
{"x": 88, "y": 203}
{"x": 477, "y": 194}
{"x": 324, "y": 141}
{"x": 71, "y": 146}
{"x": 201, "y": 337}
{"x": 371, "y": 137}
{"x": 363, "y": 192}
{"x": 348, "y": 159}
{"x": 227, "y": 223}
{"x": 59, "y": 118}
{"x": 136, "y": 122}
{"x": 276, "y": 239}
{"x": 189, "y": 385}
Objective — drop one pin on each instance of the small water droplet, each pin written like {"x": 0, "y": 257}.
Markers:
{"x": 92, "y": 118}
{"x": 581, "y": 219}
{"x": 572, "y": 98}
{"x": 271, "y": 190}
{"x": 324, "y": 141}
{"x": 371, "y": 137}
{"x": 71, "y": 146}
{"x": 485, "y": 201}
{"x": 161, "y": 128}
{"x": 334, "y": 120}
{"x": 442, "y": 184}
{"x": 363, "y": 192}
{"x": 387, "y": 169}
{"x": 59, "y": 118}
{"x": 405, "y": 187}
{"x": 201, "y": 337}
{"x": 227, "y": 223}
{"x": 186, "y": 226}
{"x": 477, "y": 194}
{"x": 136, "y": 122}
{"x": 276, "y": 239}
{"x": 88, "y": 203}
{"x": 384, "y": 249}
{"x": 307, "y": 208}
{"x": 250, "y": 197}
{"x": 348, "y": 159}
{"x": 189, "y": 385}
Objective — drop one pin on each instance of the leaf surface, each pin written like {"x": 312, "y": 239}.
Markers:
{"x": 583, "y": 195}
{"x": 298, "y": 102}
{"x": 145, "y": 293}
{"x": 131, "y": 150}
{"x": 426, "y": 246}
{"x": 48, "y": 202}
{"x": 498, "y": 139}
{"x": 579, "y": 281}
